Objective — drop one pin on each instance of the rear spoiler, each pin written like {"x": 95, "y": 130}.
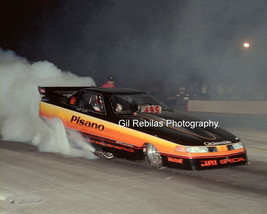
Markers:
{"x": 64, "y": 91}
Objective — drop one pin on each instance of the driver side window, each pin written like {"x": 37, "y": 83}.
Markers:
{"x": 92, "y": 102}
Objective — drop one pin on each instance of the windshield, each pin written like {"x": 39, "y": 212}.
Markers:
{"x": 130, "y": 103}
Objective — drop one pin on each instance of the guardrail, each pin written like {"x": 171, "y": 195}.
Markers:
{"x": 229, "y": 107}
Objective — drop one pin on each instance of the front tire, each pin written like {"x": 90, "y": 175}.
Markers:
{"x": 153, "y": 156}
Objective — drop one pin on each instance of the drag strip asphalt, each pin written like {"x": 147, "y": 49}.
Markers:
{"x": 37, "y": 182}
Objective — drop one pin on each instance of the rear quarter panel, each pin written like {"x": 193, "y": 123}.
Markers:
{"x": 110, "y": 130}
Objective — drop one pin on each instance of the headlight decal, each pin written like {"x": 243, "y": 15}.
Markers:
{"x": 238, "y": 145}
{"x": 197, "y": 149}
{"x": 206, "y": 149}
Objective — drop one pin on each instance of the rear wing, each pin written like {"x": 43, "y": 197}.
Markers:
{"x": 65, "y": 91}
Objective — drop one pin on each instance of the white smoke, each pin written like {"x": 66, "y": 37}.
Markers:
{"x": 19, "y": 112}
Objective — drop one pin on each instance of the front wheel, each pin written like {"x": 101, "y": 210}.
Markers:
{"x": 153, "y": 156}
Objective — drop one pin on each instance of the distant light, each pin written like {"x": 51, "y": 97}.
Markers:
{"x": 246, "y": 45}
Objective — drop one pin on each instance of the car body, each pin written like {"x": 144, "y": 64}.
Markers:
{"x": 130, "y": 124}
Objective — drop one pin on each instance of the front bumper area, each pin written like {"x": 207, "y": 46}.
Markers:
{"x": 204, "y": 163}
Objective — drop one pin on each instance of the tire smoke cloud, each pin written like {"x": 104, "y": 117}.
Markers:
{"x": 19, "y": 96}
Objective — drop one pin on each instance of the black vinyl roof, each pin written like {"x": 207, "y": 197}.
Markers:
{"x": 115, "y": 90}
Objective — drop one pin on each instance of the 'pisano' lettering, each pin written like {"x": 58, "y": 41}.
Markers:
{"x": 87, "y": 123}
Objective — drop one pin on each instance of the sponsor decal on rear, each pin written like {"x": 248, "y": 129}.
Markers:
{"x": 113, "y": 146}
{"x": 82, "y": 122}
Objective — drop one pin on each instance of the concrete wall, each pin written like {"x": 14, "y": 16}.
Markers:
{"x": 231, "y": 107}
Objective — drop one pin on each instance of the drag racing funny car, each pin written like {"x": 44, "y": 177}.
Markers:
{"x": 130, "y": 124}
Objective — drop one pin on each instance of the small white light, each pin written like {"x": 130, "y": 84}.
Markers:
{"x": 246, "y": 45}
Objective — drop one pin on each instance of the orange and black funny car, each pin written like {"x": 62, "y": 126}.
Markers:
{"x": 130, "y": 124}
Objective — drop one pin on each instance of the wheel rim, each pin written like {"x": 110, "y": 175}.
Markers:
{"x": 154, "y": 156}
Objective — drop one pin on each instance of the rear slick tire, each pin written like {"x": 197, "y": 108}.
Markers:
{"x": 153, "y": 155}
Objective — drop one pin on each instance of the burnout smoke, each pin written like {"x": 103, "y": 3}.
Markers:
{"x": 20, "y": 99}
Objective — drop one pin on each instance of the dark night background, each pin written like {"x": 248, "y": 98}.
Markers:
{"x": 156, "y": 45}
